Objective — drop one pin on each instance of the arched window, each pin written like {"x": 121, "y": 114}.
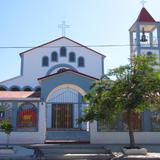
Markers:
{"x": 63, "y": 52}
{"x": 54, "y": 57}
{"x": 149, "y": 53}
{"x": 45, "y": 61}
{"x": 155, "y": 119}
{"x": 38, "y": 89}
{"x": 72, "y": 57}
{"x": 2, "y": 88}
{"x": 27, "y": 117}
{"x": 81, "y": 62}
{"x": 27, "y": 88}
{"x": 15, "y": 88}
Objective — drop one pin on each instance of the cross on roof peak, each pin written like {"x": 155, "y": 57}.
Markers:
{"x": 63, "y": 26}
{"x": 143, "y": 2}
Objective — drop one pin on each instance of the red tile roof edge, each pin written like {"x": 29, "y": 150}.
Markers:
{"x": 144, "y": 16}
{"x": 19, "y": 95}
{"x": 68, "y": 70}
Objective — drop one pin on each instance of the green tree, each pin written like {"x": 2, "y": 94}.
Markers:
{"x": 131, "y": 88}
{"x": 6, "y": 126}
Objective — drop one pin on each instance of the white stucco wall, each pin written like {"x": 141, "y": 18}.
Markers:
{"x": 121, "y": 137}
{"x": 28, "y": 137}
{"x": 32, "y": 63}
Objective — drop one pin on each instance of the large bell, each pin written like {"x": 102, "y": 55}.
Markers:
{"x": 143, "y": 37}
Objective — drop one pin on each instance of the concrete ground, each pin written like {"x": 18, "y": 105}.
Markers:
{"x": 79, "y": 152}
{"x": 92, "y": 152}
{"x": 20, "y": 153}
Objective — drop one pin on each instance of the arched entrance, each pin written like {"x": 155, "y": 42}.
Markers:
{"x": 63, "y": 94}
{"x": 64, "y": 106}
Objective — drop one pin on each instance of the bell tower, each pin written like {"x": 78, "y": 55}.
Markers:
{"x": 145, "y": 35}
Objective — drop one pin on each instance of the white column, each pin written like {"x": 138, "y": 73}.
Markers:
{"x": 49, "y": 115}
{"x": 42, "y": 121}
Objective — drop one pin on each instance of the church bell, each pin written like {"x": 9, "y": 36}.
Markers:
{"x": 143, "y": 37}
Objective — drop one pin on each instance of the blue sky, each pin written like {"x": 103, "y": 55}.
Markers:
{"x": 92, "y": 22}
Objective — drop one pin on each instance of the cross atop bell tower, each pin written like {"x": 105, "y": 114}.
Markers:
{"x": 145, "y": 35}
{"x": 143, "y": 3}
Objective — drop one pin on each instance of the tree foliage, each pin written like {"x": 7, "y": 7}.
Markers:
{"x": 6, "y": 126}
{"x": 132, "y": 88}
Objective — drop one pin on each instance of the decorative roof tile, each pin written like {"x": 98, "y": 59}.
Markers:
{"x": 145, "y": 16}
{"x": 18, "y": 94}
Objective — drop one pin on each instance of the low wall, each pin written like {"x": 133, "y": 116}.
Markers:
{"x": 121, "y": 137}
{"x": 28, "y": 137}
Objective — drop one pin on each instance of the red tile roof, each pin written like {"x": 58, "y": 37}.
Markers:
{"x": 68, "y": 70}
{"x": 145, "y": 16}
{"x": 18, "y": 94}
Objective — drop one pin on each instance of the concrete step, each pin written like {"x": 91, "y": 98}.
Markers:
{"x": 71, "y": 146}
{"x": 66, "y": 142}
{"x": 68, "y": 135}
{"x": 74, "y": 151}
{"x": 77, "y": 157}
{"x": 86, "y": 152}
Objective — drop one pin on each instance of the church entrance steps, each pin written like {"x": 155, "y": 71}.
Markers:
{"x": 73, "y": 151}
{"x": 70, "y": 136}
{"x": 66, "y": 142}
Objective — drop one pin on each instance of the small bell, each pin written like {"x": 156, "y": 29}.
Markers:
{"x": 143, "y": 38}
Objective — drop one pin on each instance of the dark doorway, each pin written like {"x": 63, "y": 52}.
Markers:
{"x": 62, "y": 116}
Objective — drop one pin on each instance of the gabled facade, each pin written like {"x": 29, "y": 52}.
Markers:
{"x": 44, "y": 102}
{"x": 52, "y": 56}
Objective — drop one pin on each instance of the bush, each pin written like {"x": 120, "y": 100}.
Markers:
{"x": 6, "y": 126}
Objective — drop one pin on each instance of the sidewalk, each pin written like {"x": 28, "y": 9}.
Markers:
{"x": 20, "y": 153}
{"x": 91, "y": 152}
{"x": 79, "y": 151}
{"x": 149, "y": 156}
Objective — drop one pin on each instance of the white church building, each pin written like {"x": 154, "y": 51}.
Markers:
{"x": 45, "y": 100}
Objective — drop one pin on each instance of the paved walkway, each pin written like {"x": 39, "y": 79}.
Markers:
{"x": 78, "y": 152}
{"x": 91, "y": 152}
{"x": 20, "y": 153}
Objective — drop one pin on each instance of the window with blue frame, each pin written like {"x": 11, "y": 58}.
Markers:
{"x": 2, "y": 115}
{"x": 136, "y": 119}
{"x": 14, "y": 88}
{"x": 2, "y": 88}
{"x": 149, "y": 53}
{"x": 107, "y": 127}
{"x": 27, "y": 117}
{"x": 72, "y": 57}
{"x": 54, "y": 57}
{"x": 38, "y": 89}
{"x": 45, "y": 61}
{"x": 81, "y": 62}
{"x": 155, "y": 120}
{"x": 6, "y": 111}
{"x": 63, "y": 52}
{"x": 27, "y": 89}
